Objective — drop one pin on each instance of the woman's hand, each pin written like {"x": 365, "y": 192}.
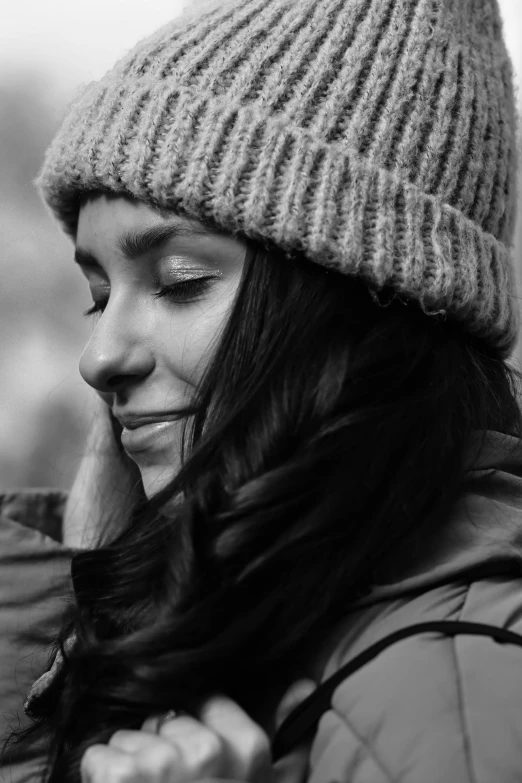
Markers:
{"x": 225, "y": 743}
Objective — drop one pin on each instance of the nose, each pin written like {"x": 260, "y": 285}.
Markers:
{"x": 118, "y": 353}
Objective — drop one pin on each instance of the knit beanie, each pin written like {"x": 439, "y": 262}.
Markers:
{"x": 376, "y": 137}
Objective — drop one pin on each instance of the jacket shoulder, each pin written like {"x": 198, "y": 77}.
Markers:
{"x": 34, "y": 586}
{"x": 38, "y": 509}
{"x": 431, "y": 707}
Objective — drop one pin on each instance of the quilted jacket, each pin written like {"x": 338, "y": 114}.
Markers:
{"x": 428, "y": 709}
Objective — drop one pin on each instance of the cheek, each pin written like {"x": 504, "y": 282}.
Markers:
{"x": 194, "y": 335}
{"x": 107, "y": 398}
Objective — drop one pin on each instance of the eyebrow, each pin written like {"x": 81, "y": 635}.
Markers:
{"x": 133, "y": 244}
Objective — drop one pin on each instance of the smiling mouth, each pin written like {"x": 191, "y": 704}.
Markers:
{"x": 155, "y": 434}
{"x": 131, "y": 421}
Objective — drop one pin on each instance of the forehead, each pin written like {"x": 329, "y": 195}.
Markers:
{"x": 107, "y": 211}
{"x": 132, "y": 228}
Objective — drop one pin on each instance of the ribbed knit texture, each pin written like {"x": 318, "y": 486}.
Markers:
{"x": 378, "y": 137}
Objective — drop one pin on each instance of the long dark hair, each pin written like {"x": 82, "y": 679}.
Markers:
{"x": 329, "y": 441}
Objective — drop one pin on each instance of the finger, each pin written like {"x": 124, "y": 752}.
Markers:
{"x": 135, "y": 741}
{"x": 179, "y": 727}
{"x": 247, "y": 748}
{"x": 102, "y": 764}
{"x": 296, "y": 693}
{"x": 154, "y": 723}
{"x": 151, "y": 725}
{"x": 189, "y": 748}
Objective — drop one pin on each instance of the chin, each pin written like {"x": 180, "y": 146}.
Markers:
{"x": 153, "y": 484}
{"x": 156, "y": 477}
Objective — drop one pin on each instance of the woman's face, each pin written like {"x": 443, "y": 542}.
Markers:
{"x": 162, "y": 286}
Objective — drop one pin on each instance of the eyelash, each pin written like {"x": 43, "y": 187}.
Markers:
{"x": 188, "y": 290}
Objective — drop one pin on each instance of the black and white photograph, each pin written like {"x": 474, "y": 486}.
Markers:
{"x": 261, "y": 391}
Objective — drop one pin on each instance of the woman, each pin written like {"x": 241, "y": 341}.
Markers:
{"x": 296, "y": 221}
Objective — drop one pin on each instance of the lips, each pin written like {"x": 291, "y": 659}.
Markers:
{"x": 131, "y": 421}
{"x": 148, "y": 432}
{"x": 156, "y": 436}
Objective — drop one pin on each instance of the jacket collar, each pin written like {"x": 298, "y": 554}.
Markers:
{"x": 485, "y": 524}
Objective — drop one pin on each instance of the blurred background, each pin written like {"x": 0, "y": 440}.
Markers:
{"x": 47, "y": 49}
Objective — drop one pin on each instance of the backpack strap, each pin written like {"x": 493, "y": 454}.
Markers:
{"x": 302, "y": 722}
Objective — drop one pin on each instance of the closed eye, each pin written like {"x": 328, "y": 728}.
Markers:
{"x": 185, "y": 292}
